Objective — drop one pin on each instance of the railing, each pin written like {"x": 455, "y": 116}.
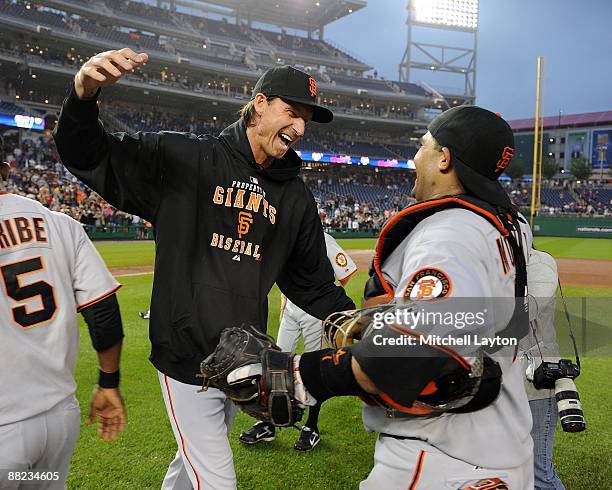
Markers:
{"x": 344, "y": 50}
{"x": 112, "y": 231}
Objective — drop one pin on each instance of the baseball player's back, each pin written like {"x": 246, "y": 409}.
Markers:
{"x": 49, "y": 270}
{"x": 45, "y": 280}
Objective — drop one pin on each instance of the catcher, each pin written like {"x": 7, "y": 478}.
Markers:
{"x": 448, "y": 417}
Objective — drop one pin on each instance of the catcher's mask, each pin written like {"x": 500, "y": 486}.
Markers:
{"x": 466, "y": 384}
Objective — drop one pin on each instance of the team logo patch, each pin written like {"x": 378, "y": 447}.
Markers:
{"x": 341, "y": 260}
{"x": 245, "y": 220}
{"x": 485, "y": 484}
{"x": 312, "y": 86}
{"x": 504, "y": 161}
{"x": 428, "y": 283}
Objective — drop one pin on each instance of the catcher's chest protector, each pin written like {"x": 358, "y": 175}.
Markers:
{"x": 378, "y": 290}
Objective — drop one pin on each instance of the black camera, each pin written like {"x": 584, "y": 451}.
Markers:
{"x": 559, "y": 376}
{"x": 548, "y": 372}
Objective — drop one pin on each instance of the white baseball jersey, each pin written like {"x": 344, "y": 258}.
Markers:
{"x": 455, "y": 253}
{"x": 343, "y": 267}
{"x": 49, "y": 269}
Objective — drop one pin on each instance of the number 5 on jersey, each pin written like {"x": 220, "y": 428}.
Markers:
{"x": 11, "y": 277}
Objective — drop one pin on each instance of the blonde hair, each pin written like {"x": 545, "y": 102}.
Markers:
{"x": 247, "y": 112}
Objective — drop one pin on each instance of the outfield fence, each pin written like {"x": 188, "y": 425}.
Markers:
{"x": 560, "y": 226}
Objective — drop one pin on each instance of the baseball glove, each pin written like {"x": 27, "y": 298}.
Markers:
{"x": 253, "y": 372}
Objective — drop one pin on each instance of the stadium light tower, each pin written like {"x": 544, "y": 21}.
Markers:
{"x": 447, "y": 15}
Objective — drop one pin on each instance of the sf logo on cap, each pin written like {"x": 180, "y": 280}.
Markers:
{"x": 503, "y": 162}
{"x": 313, "y": 86}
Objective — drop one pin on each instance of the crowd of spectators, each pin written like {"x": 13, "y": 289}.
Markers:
{"x": 359, "y": 199}
{"x": 317, "y": 139}
{"x": 38, "y": 174}
{"x": 559, "y": 197}
{"x": 220, "y": 53}
{"x": 348, "y": 197}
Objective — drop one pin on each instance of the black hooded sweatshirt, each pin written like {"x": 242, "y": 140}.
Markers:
{"x": 225, "y": 229}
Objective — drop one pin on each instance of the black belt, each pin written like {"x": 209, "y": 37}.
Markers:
{"x": 401, "y": 438}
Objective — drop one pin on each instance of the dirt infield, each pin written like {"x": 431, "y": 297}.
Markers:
{"x": 578, "y": 272}
{"x": 586, "y": 272}
{"x": 133, "y": 270}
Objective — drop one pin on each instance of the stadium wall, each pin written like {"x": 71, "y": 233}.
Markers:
{"x": 577, "y": 227}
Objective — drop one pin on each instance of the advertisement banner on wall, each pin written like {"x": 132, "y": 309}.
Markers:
{"x": 576, "y": 146}
{"x": 601, "y": 154}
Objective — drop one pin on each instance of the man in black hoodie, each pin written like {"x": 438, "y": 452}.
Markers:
{"x": 231, "y": 218}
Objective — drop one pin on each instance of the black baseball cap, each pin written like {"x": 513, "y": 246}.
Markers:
{"x": 292, "y": 85}
{"x": 481, "y": 144}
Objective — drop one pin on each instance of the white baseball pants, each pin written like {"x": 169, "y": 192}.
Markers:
{"x": 297, "y": 322}
{"x": 43, "y": 443}
{"x": 413, "y": 464}
{"x": 201, "y": 423}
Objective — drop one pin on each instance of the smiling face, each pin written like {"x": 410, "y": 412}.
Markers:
{"x": 435, "y": 175}
{"x": 425, "y": 162}
{"x": 277, "y": 126}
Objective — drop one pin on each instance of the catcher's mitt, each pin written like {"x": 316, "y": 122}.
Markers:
{"x": 252, "y": 371}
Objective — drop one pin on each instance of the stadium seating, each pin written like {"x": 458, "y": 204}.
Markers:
{"x": 556, "y": 198}
{"x": 32, "y": 13}
{"x": 121, "y": 38}
{"x": 231, "y": 41}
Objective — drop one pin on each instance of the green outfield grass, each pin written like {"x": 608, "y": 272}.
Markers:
{"x": 357, "y": 243}
{"x": 128, "y": 253}
{"x": 142, "y": 253}
{"x": 576, "y": 248}
{"x": 139, "y": 458}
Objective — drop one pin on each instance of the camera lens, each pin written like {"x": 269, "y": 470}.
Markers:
{"x": 568, "y": 404}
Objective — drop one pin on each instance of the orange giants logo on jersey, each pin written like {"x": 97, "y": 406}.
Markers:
{"x": 428, "y": 283}
{"x": 245, "y": 220}
{"x": 504, "y": 161}
{"x": 313, "y": 86}
{"x": 242, "y": 197}
{"x": 485, "y": 484}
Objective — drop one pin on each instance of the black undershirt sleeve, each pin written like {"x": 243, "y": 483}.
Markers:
{"x": 104, "y": 322}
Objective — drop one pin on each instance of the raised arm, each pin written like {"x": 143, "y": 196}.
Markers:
{"x": 124, "y": 169}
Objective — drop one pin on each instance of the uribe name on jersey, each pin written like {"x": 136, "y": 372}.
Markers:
{"x": 20, "y": 230}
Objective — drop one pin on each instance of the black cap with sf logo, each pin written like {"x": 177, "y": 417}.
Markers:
{"x": 293, "y": 85}
{"x": 481, "y": 145}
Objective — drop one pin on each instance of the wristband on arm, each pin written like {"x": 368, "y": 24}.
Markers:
{"x": 108, "y": 380}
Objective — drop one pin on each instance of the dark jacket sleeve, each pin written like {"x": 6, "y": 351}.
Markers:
{"x": 308, "y": 278}
{"x": 125, "y": 169}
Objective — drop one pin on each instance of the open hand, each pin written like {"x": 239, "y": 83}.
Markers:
{"x": 105, "y": 69}
{"x": 108, "y": 408}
